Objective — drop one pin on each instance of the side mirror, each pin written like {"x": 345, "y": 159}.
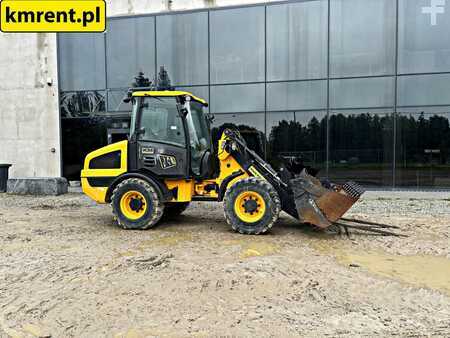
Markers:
{"x": 210, "y": 117}
{"x": 140, "y": 131}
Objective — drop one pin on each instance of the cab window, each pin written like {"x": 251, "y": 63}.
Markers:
{"x": 198, "y": 135}
{"x": 161, "y": 121}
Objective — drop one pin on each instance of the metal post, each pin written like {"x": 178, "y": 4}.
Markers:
{"x": 327, "y": 148}
{"x": 394, "y": 141}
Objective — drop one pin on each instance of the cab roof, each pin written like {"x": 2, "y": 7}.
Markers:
{"x": 168, "y": 93}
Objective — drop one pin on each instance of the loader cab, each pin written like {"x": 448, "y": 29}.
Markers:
{"x": 170, "y": 135}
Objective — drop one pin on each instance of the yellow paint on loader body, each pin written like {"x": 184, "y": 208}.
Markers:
{"x": 228, "y": 165}
{"x": 186, "y": 188}
{"x": 98, "y": 194}
{"x": 168, "y": 93}
{"x": 189, "y": 188}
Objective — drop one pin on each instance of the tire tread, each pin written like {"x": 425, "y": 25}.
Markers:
{"x": 156, "y": 201}
{"x": 275, "y": 205}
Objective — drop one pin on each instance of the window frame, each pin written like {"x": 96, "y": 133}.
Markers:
{"x": 139, "y": 123}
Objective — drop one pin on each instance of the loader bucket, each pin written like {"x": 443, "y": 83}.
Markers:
{"x": 319, "y": 205}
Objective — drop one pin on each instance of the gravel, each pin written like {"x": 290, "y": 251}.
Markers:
{"x": 67, "y": 270}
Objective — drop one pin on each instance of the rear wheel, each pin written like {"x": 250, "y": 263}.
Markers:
{"x": 174, "y": 209}
{"x": 136, "y": 204}
{"x": 251, "y": 206}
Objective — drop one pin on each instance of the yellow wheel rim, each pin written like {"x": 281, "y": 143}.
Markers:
{"x": 249, "y": 206}
{"x": 133, "y": 204}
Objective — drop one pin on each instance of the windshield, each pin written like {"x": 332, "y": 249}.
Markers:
{"x": 198, "y": 134}
{"x": 198, "y": 129}
{"x": 162, "y": 123}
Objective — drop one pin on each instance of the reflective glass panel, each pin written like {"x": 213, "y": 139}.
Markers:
{"x": 297, "y": 95}
{"x": 297, "y": 135}
{"x": 423, "y": 147}
{"x": 362, "y": 37}
{"x": 237, "y": 98}
{"x": 369, "y": 92}
{"x": 361, "y": 147}
{"x": 418, "y": 90}
{"x": 82, "y": 104}
{"x": 182, "y": 46}
{"x": 237, "y": 45}
{"x": 130, "y": 49}
{"x": 297, "y": 40}
{"x": 115, "y": 101}
{"x": 423, "y": 41}
{"x": 81, "y": 61}
{"x": 250, "y": 125}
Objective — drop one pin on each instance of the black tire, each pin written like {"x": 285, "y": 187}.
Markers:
{"x": 154, "y": 206}
{"x": 174, "y": 209}
{"x": 272, "y": 206}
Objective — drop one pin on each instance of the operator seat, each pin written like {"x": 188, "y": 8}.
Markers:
{"x": 207, "y": 165}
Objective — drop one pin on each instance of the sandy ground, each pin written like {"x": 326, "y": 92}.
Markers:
{"x": 66, "y": 270}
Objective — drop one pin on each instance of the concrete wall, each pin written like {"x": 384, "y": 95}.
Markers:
{"x": 29, "y": 117}
{"x": 29, "y": 121}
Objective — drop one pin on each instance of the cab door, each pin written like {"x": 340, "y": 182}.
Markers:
{"x": 160, "y": 138}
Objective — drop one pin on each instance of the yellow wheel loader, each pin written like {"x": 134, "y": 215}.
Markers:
{"x": 169, "y": 160}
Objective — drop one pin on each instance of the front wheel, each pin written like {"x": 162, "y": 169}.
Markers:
{"x": 136, "y": 204}
{"x": 251, "y": 206}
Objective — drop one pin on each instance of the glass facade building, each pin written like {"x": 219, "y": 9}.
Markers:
{"x": 357, "y": 88}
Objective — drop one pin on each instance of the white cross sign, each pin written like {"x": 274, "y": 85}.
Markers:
{"x": 436, "y": 7}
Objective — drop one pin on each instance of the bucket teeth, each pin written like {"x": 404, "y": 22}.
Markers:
{"x": 353, "y": 189}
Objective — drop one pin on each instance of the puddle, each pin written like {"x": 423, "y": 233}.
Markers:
{"x": 249, "y": 247}
{"x": 418, "y": 270}
{"x": 169, "y": 240}
{"x": 253, "y": 248}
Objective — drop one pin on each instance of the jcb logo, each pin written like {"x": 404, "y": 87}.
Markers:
{"x": 167, "y": 161}
{"x": 53, "y": 16}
